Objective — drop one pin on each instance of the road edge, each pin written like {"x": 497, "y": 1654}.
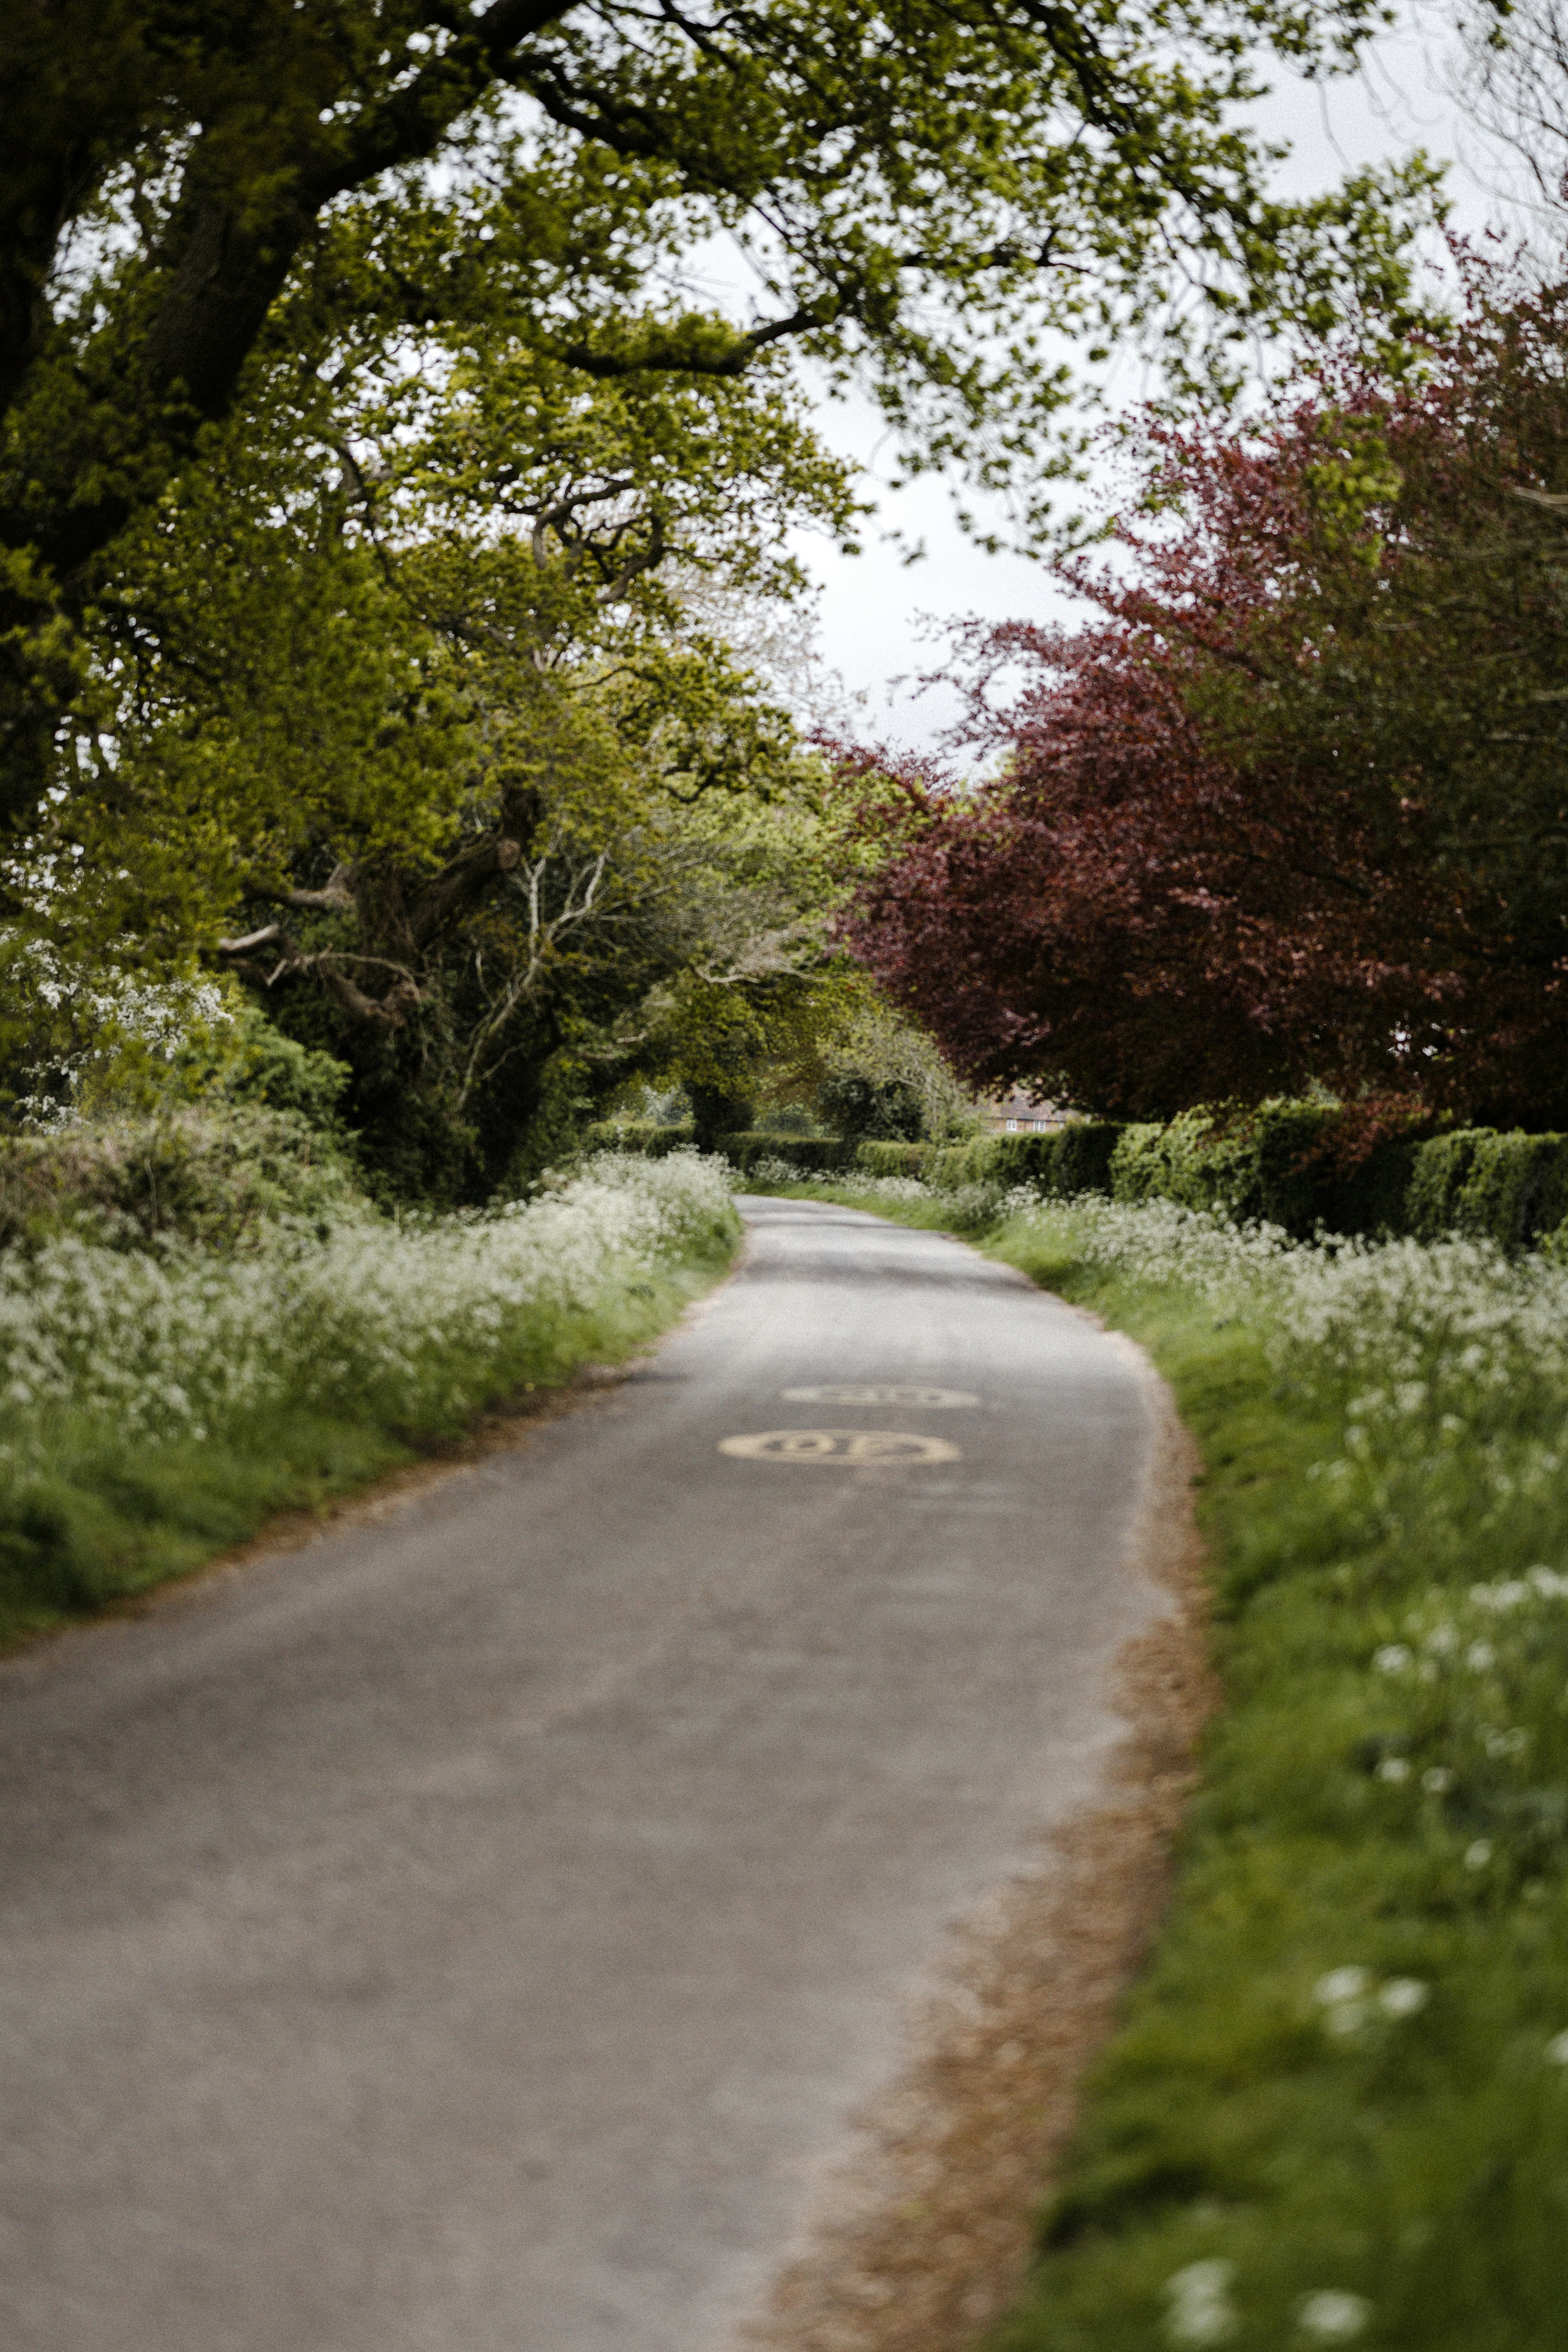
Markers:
{"x": 922, "y": 2238}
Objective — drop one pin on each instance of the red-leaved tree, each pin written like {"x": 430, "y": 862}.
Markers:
{"x": 1295, "y": 808}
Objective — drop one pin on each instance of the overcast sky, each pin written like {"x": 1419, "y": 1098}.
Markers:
{"x": 872, "y": 605}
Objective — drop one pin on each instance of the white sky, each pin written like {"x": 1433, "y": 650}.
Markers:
{"x": 873, "y": 605}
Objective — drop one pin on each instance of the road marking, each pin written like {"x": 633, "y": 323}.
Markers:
{"x": 852, "y": 1449}
{"x": 874, "y": 1392}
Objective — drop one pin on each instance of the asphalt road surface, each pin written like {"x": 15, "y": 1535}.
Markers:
{"x": 471, "y": 1933}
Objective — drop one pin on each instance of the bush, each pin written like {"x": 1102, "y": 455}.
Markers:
{"x": 810, "y": 1154}
{"x": 1516, "y": 1188}
{"x": 646, "y": 1138}
{"x": 210, "y": 1175}
{"x": 892, "y": 1158}
{"x": 250, "y": 1061}
{"x": 1263, "y": 1168}
{"x": 717, "y": 1112}
{"x": 1271, "y": 1168}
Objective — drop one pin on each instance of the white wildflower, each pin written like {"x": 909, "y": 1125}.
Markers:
{"x": 416, "y": 1319}
{"x": 1402, "y": 1996}
{"x": 1201, "y": 2310}
{"x": 1342, "y": 1984}
{"x": 1331, "y": 2315}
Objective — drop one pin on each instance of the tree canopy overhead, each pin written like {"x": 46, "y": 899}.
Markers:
{"x": 194, "y": 198}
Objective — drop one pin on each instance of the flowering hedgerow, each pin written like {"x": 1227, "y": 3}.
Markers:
{"x": 416, "y": 1323}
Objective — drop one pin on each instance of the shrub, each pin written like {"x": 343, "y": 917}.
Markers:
{"x": 883, "y": 1111}
{"x": 646, "y": 1138}
{"x": 250, "y": 1061}
{"x": 806, "y": 1154}
{"x": 892, "y": 1158}
{"x": 1262, "y": 1169}
{"x": 216, "y": 1176}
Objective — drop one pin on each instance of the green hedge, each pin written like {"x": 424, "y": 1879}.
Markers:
{"x": 638, "y": 1134}
{"x": 894, "y": 1158}
{"x": 813, "y": 1155}
{"x": 1068, "y": 1160}
{"x": 1476, "y": 1181}
{"x": 1262, "y": 1169}
{"x": 1513, "y": 1187}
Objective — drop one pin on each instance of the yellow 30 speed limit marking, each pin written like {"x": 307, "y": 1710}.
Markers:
{"x": 851, "y": 1449}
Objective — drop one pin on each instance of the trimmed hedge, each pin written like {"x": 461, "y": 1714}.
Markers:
{"x": 1071, "y": 1159}
{"x": 894, "y": 1158}
{"x": 1476, "y": 1180}
{"x": 813, "y": 1155}
{"x": 1513, "y": 1187}
{"x": 1263, "y": 1169}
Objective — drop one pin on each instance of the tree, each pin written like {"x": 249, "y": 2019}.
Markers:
{"x": 1293, "y": 813}
{"x": 196, "y": 193}
{"x": 405, "y": 711}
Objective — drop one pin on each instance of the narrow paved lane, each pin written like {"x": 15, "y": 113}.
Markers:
{"x": 466, "y": 1934}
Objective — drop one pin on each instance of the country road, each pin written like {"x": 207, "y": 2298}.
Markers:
{"x": 473, "y": 1932}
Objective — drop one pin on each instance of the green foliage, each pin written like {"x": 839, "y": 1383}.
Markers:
{"x": 1066, "y": 1159}
{"x": 1274, "y": 1167}
{"x": 646, "y": 1138}
{"x": 893, "y": 1159}
{"x": 250, "y": 1061}
{"x": 807, "y": 1153}
{"x": 1261, "y": 1168}
{"x": 717, "y": 1112}
{"x": 1513, "y": 1188}
{"x": 858, "y": 1108}
{"x": 904, "y": 189}
{"x": 881, "y": 1077}
{"x": 214, "y": 1175}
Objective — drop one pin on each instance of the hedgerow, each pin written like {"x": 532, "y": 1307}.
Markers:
{"x": 1339, "y": 2105}
{"x": 156, "y": 1400}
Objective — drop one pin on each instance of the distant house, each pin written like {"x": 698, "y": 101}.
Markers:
{"x": 1021, "y": 1114}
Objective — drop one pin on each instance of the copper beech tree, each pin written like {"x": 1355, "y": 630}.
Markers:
{"x": 1294, "y": 808}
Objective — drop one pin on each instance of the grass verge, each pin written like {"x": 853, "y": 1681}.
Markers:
{"x": 1336, "y": 2108}
{"x": 94, "y": 1511}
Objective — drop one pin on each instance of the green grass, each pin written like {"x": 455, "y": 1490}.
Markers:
{"x": 95, "y": 1520}
{"x": 1265, "y": 2159}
